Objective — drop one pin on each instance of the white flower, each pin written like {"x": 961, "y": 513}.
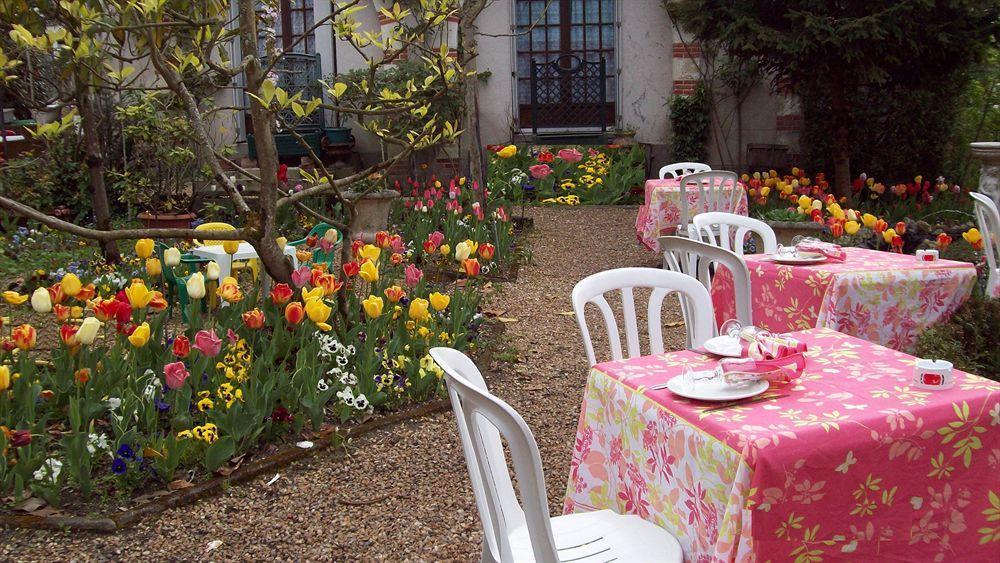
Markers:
{"x": 49, "y": 471}
{"x": 98, "y": 442}
{"x": 346, "y": 395}
{"x": 321, "y": 385}
{"x": 351, "y": 350}
{"x": 113, "y": 403}
{"x": 361, "y": 402}
{"x": 341, "y": 361}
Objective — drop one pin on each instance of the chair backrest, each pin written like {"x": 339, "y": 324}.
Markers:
{"x": 988, "y": 218}
{"x": 729, "y": 231}
{"x": 678, "y": 169}
{"x": 483, "y": 421}
{"x": 697, "y": 318}
{"x": 701, "y": 260}
{"x": 212, "y": 227}
{"x": 716, "y": 192}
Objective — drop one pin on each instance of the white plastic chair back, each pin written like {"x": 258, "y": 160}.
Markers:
{"x": 716, "y": 192}
{"x": 988, "y": 218}
{"x": 482, "y": 420}
{"x": 698, "y": 316}
{"x": 679, "y": 169}
{"x": 729, "y": 231}
{"x": 700, "y": 260}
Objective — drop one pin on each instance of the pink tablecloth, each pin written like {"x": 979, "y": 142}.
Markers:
{"x": 661, "y": 213}
{"x": 855, "y": 464}
{"x": 882, "y": 297}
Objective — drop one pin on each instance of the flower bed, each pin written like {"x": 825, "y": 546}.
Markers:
{"x": 125, "y": 397}
{"x": 568, "y": 175}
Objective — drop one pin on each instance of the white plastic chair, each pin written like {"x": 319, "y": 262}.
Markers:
{"x": 679, "y": 169}
{"x": 729, "y": 231}
{"x": 698, "y": 315}
{"x": 524, "y": 532}
{"x": 988, "y": 218}
{"x": 716, "y": 192}
{"x": 699, "y": 260}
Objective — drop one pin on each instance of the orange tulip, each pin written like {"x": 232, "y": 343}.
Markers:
{"x": 158, "y": 303}
{"x": 56, "y": 293}
{"x": 86, "y": 292}
{"x": 329, "y": 284}
{"x": 471, "y": 267}
{"x": 253, "y": 319}
{"x": 383, "y": 239}
{"x": 880, "y": 226}
{"x": 68, "y": 335}
{"x": 294, "y": 313}
{"x": 62, "y": 312}
{"x": 487, "y": 251}
{"x": 837, "y": 229}
{"x": 943, "y": 240}
{"x": 900, "y": 228}
{"x": 394, "y": 293}
{"x": 229, "y": 292}
{"x": 23, "y": 337}
{"x": 281, "y": 294}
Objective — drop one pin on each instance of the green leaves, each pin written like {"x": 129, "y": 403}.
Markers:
{"x": 219, "y": 452}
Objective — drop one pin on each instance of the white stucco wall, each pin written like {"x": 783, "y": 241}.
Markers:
{"x": 646, "y": 73}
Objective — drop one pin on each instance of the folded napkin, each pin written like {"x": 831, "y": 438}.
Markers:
{"x": 828, "y": 249}
{"x": 772, "y": 357}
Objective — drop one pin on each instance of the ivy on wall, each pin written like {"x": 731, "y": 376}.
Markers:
{"x": 689, "y": 122}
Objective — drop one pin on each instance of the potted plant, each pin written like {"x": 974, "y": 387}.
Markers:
{"x": 161, "y": 166}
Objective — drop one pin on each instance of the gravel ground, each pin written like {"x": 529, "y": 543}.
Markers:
{"x": 403, "y": 493}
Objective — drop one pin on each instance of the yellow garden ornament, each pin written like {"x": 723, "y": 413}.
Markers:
{"x": 231, "y": 246}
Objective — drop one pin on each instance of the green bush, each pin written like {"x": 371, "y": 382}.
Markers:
{"x": 968, "y": 339}
{"x": 690, "y": 120}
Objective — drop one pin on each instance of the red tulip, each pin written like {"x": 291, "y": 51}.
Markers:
{"x": 351, "y": 269}
{"x": 471, "y": 267}
{"x": 182, "y": 346}
{"x": 943, "y": 240}
{"x": 281, "y": 294}
{"x": 253, "y": 319}
{"x": 294, "y": 313}
{"x": 900, "y": 228}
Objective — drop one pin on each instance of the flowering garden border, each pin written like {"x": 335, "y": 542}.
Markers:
{"x": 116, "y": 521}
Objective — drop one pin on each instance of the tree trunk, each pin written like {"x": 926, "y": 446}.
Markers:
{"x": 95, "y": 167}
{"x": 841, "y": 141}
{"x": 471, "y": 161}
{"x": 263, "y": 221}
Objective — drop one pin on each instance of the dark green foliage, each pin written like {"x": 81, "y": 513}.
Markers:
{"x": 968, "y": 339}
{"x": 690, "y": 121}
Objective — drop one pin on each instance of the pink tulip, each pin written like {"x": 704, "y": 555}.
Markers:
{"x": 176, "y": 374}
{"x": 413, "y": 275}
{"x": 397, "y": 244}
{"x": 437, "y": 237}
{"x": 232, "y": 336}
{"x": 301, "y": 276}
{"x": 207, "y": 342}
{"x": 540, "y": 171}
{"x": 570, "y": 155}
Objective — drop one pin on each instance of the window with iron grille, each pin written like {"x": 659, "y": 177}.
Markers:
{"x": 550, "y": 29}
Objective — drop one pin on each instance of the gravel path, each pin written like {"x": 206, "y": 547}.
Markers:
{"x": 429, "y": 513}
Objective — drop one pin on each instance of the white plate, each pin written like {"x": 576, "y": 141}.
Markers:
{"x": 714, "y": 389}
{"x": 799, "y": 258}
{"x": 724, "y": 346}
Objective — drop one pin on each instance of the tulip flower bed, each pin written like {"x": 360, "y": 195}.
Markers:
{"x": 570, "y": 175}
{"x": 129, "y": 398}
{"x": 899, "y": 217}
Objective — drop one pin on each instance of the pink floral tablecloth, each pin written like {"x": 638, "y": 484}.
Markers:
{"x": 661, "y": 213}
{"x": 854, "y": 464}
{"x": 882, "y": 297}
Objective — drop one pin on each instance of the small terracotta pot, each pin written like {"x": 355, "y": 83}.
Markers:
{"x": 167, "y": 220}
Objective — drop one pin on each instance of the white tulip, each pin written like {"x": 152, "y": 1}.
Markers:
{"x": 212, "y": 270}
{"x": 41, "y": 301}
{"x": 196, "y": 286}
{"x": 88, "y": 331}
{"x": 172, "y": 257}
{"x": 462, "y": 251}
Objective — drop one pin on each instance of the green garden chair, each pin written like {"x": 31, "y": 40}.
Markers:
{"x": 320, "y": 255}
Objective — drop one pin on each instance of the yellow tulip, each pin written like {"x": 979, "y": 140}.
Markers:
{"x": 373, "y": 306}
{"x": 144, "y": 248}
{"x": 445, "y": 249}
{"x": 138, "y": 295}
{"x": 888, "y": 235}
{"x": 231, "y": 246}
{"x": 439, "y": 301}
{"x": 14, "y": 298}
{"x": 371, "y": 252}
{"x": 153, "y": 267}
{"x": 851, "y": 227}
{"x": 805, "y": 202}
{"x": 319, "y": 312}
{"x": 764, "y": 191}
{"x": 473, "y": 246}
{"x": 507, "y": 152}
{"x": 868, "y": 220}
{"x": 972, "y": 236}
{"x": 314, "y": 293}
{"x": 4, "y": 378}
{"x": 71, "y": 285}
{"x": 418, "y": 310}
{"x": 140, "y": 336}
{"x": 369, "y": 272}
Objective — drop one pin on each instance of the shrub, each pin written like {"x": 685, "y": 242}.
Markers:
{"x": 968, "y": 339}
{"x": 690, "y": 120}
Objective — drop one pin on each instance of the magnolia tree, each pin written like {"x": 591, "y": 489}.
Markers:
{"x": 171, "y": 45}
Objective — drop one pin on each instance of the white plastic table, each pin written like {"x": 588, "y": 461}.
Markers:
{"x": 246, "y": 251}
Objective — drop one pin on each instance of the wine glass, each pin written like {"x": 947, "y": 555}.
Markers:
{"x": 731, "y": 328}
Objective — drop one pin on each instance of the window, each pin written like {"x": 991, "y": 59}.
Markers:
{"x": 295, "y": 16}
{"x": 582, "y": 28}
